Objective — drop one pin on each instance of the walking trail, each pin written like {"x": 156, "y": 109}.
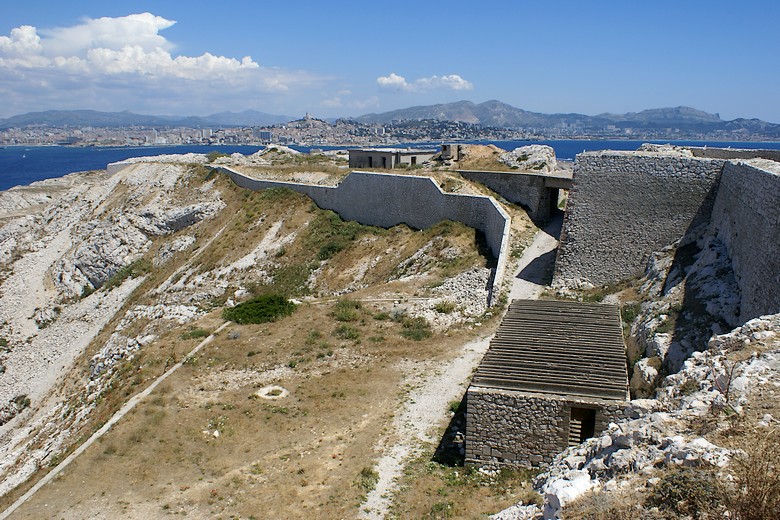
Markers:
{"x": 425, "y": 406}
{"x": 132, "y": 403}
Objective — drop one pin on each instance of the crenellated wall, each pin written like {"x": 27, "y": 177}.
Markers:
{"x": 387, "y": 200}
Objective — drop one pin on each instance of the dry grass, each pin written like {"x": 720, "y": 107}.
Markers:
{"x": 287, "y": 457}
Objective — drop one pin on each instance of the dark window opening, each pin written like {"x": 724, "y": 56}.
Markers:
{"x": 414, "y": 160}
{"x": 370, "y": 162}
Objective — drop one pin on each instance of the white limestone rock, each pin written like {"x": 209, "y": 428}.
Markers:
{"x": 534, "y": 158}
{"x": 645, "y": 375}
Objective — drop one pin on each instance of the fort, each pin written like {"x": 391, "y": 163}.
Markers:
{"x": 555, "y": 373}
{"x": 625, "y": 205}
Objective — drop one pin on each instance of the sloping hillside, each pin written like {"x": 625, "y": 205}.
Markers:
{"x": 130, "y": 272}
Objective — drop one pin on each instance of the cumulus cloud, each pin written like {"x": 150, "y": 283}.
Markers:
{"x": 127, "y": 55}
{"x": 111, "y": 46}
{"x": 447, "y": 82}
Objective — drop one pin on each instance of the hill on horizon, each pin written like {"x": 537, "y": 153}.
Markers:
{"x": 127, "y": 118}
{"x": 491, "y": 113}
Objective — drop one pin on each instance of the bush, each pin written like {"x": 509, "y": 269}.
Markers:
{"x": 756, "y": 487}
{"x": 630, "y": 311}
{"x": 444, "y": 307}
{"x": 367, "y": 478}
{"x": 346, "y": 310}
{"x": 132, "y": 270}
{"x": 194, "y": 333}
{"x": 416, "y": 329}
{"x": 346, "y": 332}
{"x": 262, "y": 309}
{"x": 694, "y": 492}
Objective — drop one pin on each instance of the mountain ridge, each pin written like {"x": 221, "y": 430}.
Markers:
{"x": 492, "y": 113}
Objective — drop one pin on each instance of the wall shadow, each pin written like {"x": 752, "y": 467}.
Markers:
{"x": 540, "y": 270}
{"x": 451, "y": 450}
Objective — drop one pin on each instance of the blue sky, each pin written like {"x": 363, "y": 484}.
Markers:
{"x": 349, "y": 58}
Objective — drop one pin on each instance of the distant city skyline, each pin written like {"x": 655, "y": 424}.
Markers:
{"x": 343, "y": 59}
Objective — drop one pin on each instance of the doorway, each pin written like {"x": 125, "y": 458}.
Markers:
{"x": 582, "y": 425}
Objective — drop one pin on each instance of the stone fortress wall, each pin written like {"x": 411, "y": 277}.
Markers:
{"x": 625, "y": 205}
{"x": 746, "y": 217}
{"x": 386, "y": 200}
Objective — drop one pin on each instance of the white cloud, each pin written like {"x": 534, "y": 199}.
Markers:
{"x": 127, "y": 57}
{"x": 111, "y": 46}
{"x": 447, "y": 82}
{"x": 392, "y": 81}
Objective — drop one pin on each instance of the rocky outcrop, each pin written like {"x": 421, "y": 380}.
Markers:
{"x": 660, "y": 435}
{"x": 534, "y": 158}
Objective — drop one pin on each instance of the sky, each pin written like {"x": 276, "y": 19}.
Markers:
{"x": 339, "y": 58}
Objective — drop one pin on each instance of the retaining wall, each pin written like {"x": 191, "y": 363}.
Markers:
{"x": 527, "y": 190}
{"x": 387, "y": 200}
{"x": 746, "y": 217}
{"x": 625, "y": 205}
{"x": 511, "y": 428}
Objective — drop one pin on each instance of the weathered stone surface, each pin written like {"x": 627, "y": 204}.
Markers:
{"x": 625, "y": 205}
{"x": 537, "y": 158}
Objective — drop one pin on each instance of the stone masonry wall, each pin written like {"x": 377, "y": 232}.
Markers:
{"x": 735, "y": 153}
{"x": 527, "y": 190}
{"x": 511, "y": 428}
{"x": 746, "y": 217}
{"x": 387, "y": 200}
{"x": 625, "y": 205}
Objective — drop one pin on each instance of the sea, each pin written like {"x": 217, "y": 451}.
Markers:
{"x": 23, "y": 165}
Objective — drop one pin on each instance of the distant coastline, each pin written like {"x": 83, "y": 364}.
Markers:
{"x": 23, "y": 165}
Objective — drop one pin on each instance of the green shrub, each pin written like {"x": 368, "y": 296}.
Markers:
{"x": 416, "y": 329}
{"x": 346, "y": 310}
{"x": 444, "y": 307}
{"x": 214, "y": 155}
{"x": 262, "y": 309}
{"x": 630, "y": 311}
{"x": 694, "y": 492}
{"x": 346, "y": 332}
{"x": 367, "y": 478}
{"x": 194, "y": 333}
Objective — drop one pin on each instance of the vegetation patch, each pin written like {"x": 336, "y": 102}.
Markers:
{"x": 347, "y": 332}
{"x": 416, "y": 329}
{"x": 346, "y": 310}
{"x": 262, "y": 309}
{"x": 132, "y": 270}
{"x": 194, "y": 334}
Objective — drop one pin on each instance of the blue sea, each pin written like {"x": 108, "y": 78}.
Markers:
{"x": 21, "y": 165}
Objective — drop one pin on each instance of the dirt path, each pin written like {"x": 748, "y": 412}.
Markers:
{"x": 132, "y": 403}
{"x": 534, "y": 270}
{"x": 426, "y": 405}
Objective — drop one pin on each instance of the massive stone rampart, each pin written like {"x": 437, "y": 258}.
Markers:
{"x": 387, "y": 200}
{"x": 625, "y": 205}
{"x": 746, "y": 217}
